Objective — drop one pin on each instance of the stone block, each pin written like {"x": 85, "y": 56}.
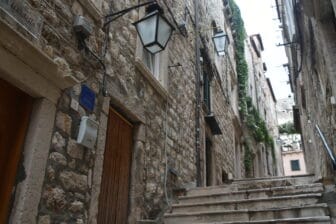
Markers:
{"x": 79, "y": 75}
{"x": 76, "y": 8}
{"x": 75, "y": 150}
{"x": 72, "y": 55}
{"x": 58, "y": 158}
{"x": 76, "y": 90}
{"x": 73, "y": 181}
{"x": 45, "y": 219}
{"x": 63, "y": 67}
{"x": 58, "y": 142}
{"x": 49, "y": 50}
{"x": 76, "y": 206}
{"x": 63, "y": 122}
{"x": 50, "y": 16}
{"x": 55, "y": 198}
{"x": 106, "y": 105}
{"x": 79, "y": 221}
{"x": 51, "y": 173}
{"x": 64, "y": 102}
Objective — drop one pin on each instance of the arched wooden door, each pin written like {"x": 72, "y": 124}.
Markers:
{"x": 114, "y": 193}
{"x": 15, "y": 110}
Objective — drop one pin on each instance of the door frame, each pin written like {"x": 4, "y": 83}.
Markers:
{"x": 209, "y": 157}
{"x": 115, "y": 116}
{"x": 136, "y": 118}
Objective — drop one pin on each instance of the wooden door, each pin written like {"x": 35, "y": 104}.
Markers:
{"x": 113, "y": 201}
{"x": 15, "y": 110}
{"x": 209, "y": 162}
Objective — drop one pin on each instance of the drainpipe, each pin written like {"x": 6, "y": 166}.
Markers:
{"x": 198, "y": 98}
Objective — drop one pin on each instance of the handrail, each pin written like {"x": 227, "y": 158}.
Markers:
{"x": 326, "y": 146}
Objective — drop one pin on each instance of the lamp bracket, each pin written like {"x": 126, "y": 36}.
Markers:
{"x": 286, "y": 44}
{"x": 113, "y": 16}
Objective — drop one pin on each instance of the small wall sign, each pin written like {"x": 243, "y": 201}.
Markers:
{"x": 87, "y": 98}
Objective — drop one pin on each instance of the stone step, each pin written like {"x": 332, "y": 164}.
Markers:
{"x": 276, "y": 181}
{"x": 310, "y": 220}
{"x": 256, "y": 183}
{"x": 216, "y": 196}
{"x": 299, "y": 178}
{"x": 246, "y": 215}
{"x": 260, "y": 203}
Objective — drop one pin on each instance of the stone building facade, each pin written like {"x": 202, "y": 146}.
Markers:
{"x": 263, "y": 99}
{"x": 292, "y": 155}
{"x": 309, "y": 36}
{"x": 152, "y": 97}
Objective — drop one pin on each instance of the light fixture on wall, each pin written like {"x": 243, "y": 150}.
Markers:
{"x": 221, "y": 41}
{"x": 154, "y": 29}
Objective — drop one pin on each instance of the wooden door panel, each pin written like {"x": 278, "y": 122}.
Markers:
{"x": 15, "y": 110}
{"x": 113, "y": 202}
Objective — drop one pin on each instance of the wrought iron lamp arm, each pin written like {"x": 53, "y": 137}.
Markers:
{"x": 113, "y": 16}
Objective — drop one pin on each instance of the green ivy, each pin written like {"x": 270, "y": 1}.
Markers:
{"x": 287, "y": 128}
{"x": 241, "y": 64}
{"x": 248, "y": 160}
{"x": 257, "y": 125}
{"x": 249, "y": 113}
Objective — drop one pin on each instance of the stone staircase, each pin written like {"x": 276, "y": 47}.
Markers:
{"x": 259, "y": 200}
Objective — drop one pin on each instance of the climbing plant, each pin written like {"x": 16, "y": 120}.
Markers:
{"x": 257, "y": 126}
{"x": 287, "y": 128}
{"x": 241, "y": 64}
{"x": 248, "y": 160}
{"x": 249, "y": 113}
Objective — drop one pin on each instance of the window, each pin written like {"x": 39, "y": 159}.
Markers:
{"x": 207, "y": 77}
{"x": 152, "y": 62}
{"x": 295, "y": 165}
{"x": 207, "y": 91}
{"x": 154, "y": 67}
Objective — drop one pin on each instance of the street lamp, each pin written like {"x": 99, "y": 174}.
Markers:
{"x": 221, "y": 41}
{"x": 154, "y": 30}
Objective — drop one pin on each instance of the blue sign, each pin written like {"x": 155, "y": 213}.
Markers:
{"x": 87, "y": 98}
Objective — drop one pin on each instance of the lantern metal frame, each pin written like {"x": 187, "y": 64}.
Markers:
{"x": 108, "y": 19}
{"x": 155, "y": 11}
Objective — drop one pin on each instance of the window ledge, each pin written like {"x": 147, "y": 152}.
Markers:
{"x": 92, "y": 9}
{"x": 32, "y": 56}
{"x": 151, "y": 79}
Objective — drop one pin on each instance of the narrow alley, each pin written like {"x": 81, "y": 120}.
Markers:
{"x": 167, "y": 112}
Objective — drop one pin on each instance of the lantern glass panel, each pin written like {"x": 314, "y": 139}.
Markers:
{"x": 220, "y": 42}
{"x": 155, "y": 48}
{"x": 147, "y": 29}
{"x": 164, "y": 32}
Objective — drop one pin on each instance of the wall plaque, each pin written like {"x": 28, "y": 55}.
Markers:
{"x": 24, "y": 14}
{"x": 87, "y": 98}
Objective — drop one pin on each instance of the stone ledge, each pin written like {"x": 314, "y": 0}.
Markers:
{"x": 92, "y": 9}
{"x": 33, "y": 57}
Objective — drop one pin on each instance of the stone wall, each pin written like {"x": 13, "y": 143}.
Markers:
{"x": 314, "y": 81}
{"x": 262, "y": 99}
{"x": 163, "y": 116}
{"x": 316, "y": 86}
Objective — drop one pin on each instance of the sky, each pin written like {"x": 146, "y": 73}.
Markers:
{"x": 260, "y": 16}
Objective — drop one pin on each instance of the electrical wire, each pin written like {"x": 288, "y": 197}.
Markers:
{"x": 166, "y": 157}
